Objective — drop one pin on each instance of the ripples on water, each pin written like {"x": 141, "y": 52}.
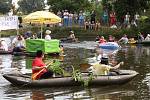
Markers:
{"x": 135, "y": 58}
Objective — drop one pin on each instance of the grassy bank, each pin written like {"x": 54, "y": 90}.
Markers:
{"x": 61, "y": 32}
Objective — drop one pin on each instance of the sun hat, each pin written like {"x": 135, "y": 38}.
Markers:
{"x": 48, "y": 32}
{"x": 71, "y": 31}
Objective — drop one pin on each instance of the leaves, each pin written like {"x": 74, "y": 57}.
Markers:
{"x": 79, "y": 77}
{"x": 71, "y": 5}
{"x": 5, "y": 6}
{"x": 55, "y": 67}
{"x": 28, "y": 6}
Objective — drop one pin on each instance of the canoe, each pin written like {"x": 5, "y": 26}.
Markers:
{"x": 5, "y": 52}
{"x": 66, "y": 40}
{"x": 25, "y": 80}
{"x": 109, "y": 45}
{"x": 144, "y": 42}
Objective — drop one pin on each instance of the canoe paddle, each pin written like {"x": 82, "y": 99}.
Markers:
{"x": 34, "y": 76}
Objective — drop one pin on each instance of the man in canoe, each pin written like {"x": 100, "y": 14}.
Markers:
{"x": 103, "y": 68}
{"x": 39, "y": 68}
{"x": 72, "y": 37}
{"x": 18, "y": 44}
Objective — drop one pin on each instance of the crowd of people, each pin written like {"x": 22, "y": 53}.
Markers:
{"x": 93, "y": 21}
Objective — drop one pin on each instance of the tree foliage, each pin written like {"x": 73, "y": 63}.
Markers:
{"x": 71, "y": 5}
{"x": 132, "y": 6}
{"x": 5, "y": 6}
{"x": 28, "y": 6}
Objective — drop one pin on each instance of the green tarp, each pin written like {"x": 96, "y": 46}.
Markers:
{"x": 47, "y": 46}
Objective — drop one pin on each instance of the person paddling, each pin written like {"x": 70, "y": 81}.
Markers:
{"x": 39, "y": 68}
{"x": 103, "y": 68}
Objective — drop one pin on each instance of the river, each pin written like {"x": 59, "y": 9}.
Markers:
{"x": 135, "y": 57}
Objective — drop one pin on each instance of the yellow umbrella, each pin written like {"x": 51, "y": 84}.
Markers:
{"x": 42, "y": 17}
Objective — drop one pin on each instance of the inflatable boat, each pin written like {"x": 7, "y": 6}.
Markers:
{"x": 25, "y": 80}
{"x": 109, "y": 45}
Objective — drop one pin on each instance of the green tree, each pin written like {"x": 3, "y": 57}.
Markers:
{"x": 28, "y": 6}
{"x": 5, "y": 6}
{"x": 132, "y": 6}
{"x": 71, "y": 5}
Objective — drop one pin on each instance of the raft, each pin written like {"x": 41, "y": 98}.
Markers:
{"x": 25, "y": 80}
{"x": 109, "y": 45}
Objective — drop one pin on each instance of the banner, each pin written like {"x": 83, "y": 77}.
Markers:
{"x": 8, "y": 22}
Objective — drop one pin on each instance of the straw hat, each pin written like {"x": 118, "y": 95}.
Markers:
{"x": 48, "y": 32}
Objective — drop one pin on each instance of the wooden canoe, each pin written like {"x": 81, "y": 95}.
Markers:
{"x": 25, "y": 81}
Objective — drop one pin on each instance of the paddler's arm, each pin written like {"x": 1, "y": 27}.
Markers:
{"x": 117, "y": 66}
{"x": 36, "y": 68}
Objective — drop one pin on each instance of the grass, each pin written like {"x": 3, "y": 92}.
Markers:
{"x": 61, "y": 32}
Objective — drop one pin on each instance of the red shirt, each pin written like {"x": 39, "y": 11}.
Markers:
{"x": 37, "y": 62}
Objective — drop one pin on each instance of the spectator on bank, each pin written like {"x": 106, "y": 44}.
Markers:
{"x": 75, "y": 17}
{"x": 105, "y": 17}
{"x": 93, "y": 16}
{"x": 81, "y": 19}
{"x": 112, "y": 18}
{"x": 127, "y": 19}
{"x": 59, "y": 13}
{"x": 66, "y": 18}
{"x": 136, "y": 17}
{"x": 92, "y": 25}
{"x": 97, "y": 25}
{"x": 70, "y": 19}
{"x": 87, "y": 24}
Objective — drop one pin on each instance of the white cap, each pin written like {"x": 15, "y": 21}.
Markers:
{"x": 105, "y": 56}
{"x": 48, "y": 32}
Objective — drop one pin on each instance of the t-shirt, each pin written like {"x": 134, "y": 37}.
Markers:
{"x": 37, "y": 62}
{"x": 47, "y": 37}
{"x": 18, "y": 43}
{"x": 101, "y": 69}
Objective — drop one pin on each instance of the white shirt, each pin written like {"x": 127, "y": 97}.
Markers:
{"x": 137, "y": 17}
{"x": 18, "y": 43}
{"x": 47, "y": 37}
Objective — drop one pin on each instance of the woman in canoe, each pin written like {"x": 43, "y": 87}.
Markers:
{"x": 39, "y": 68}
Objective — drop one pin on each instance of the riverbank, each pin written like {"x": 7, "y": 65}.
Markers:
{"x": 80, "y": 32}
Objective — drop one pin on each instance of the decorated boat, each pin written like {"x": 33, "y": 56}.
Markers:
{"x": 25, "y": 80}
